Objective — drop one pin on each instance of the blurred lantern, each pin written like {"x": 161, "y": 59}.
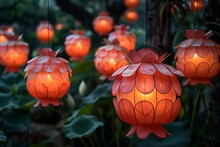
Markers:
{"x": 6, "y": 32}
{"x": 196, "y": 5}
{"x": 198, "y": 57}
{"x": 77, "y": 45}
{"x": 131, "y": 3}
{"x": 3, "y": 36}
{"x": 131, "y": 15}
{"x": 103, "y": 24}
{"x": 45, "y": 32}
{"x": 145, "y": 93}
{"x": 109, "y": 58}
{"x": 13, "y": 53}
{"x": 59, "y": 26}
{"x": 126, "y": 39}
{"x": 8, "y": 29}
{"x": 48, "y": 77}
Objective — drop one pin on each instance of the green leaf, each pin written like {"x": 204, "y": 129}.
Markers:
{"x": 101, "y": 91}
{"x": 2, "y": 136}
{"x": 16, "y": 121}
{"x": 82, "y": 126}
{"x": 5, "y": 99}
{"x": 83, "y": 110}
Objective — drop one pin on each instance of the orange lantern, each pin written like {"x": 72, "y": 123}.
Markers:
{"x": 198, "y": 57}
{"x": 45, "y": 32}
{"x": 109, "y": 58}
{"x": 6, "y": 32}
{"x": 126, "y": 39}
{"x": 145, "y": 93}
{"x": 8, "y": 29}
{"x": 3, "y": 36}
{"x": 103, "y": 24}
{"x": 131, "y": 15}
{"x": 13, "y": 54}
{"x": 131, "y": 3}
{"x": 48, "y": 77}
{"x": 196, "y": 5}
{"x": 77, "y": 45}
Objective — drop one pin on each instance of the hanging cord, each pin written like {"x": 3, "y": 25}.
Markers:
{"x": 48, "y": 11}
{"x": 147, "y": 27}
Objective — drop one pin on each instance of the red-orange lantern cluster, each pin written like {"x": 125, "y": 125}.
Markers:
{"x": 198, "y": 57}
{"x": 48, "y": 77}
{"x": 45, "y": 32}
{"x": 146, "y": 92}
{"x": 109, "y": 58}
{"x": 103, "y": 24}
{"x": 131, "y": 3}
{"x": 5, "y": 33}
{"x": 131, "y": 15}
{"x": 126, "y": 38}
{"x": 13, "y": 54}
{"x": 196, "y": 5}
{"x": 77, "y": 45}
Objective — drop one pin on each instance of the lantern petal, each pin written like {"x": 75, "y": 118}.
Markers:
{"x": 149, "y": 58}
{"x": 147, "y": 69}
{"x": 119, "y": 71}
{"x": 43, "y": 59}
{"x": 63, "y": 89}
{"x": 214, "y": 69}
{"x": 117, "y": 110}
{"x": 180, "y": 52}
{"x": 134, "y": 56}
{"x": 180, "y": 66}
{"x": 127, "y": 111}
{"x": 190, "y": 51}
{"x": 144, "y": 112}
{"x": 42, "y": 91}
{"x": 175, "y": 110}
{"x": 53, "y": 90}
{"x": 32, "y": 89}
{"x": 132, "y": 130}
{"x": 33, "y": 59}
{"x": 130, "y": 70}
{"x": 31, "y": 75}
{"x": 202, "y": 51}
{"x": 41, "y": 75}
{"x": 56, "y": 75}
{"x": 144, "y": 83}
{"x": 173, "y": 70}
{"x": 159, "y": 131}
{"x": 162, "y": 83}
{"x": 185, "y": 43}
{"x": 64, "y": 60}
{"x": 213, "y": 51}
{"x": 190, "y": 33}
{"x": 116, "y": 85}
{"x": 163, "y": 111}
{"x": 196, "y": 42}
{"x": 63, "y": 68}
{"x": 202, "y": 70}
{"x": 176, "y": 85}
{"x": 162, "y": 69}
{"x": 208, "y": 42}
{"x": 49, "y": 67}
{"x": 28, "y": 67}
{"x": 127, "y": 84}
{"x": 199, "y": 34}
{"x": 37, "y": 67}
{"x": 143, "y": 131}
{"x": 56, "y": 60}
{"x": 190, "y": 70}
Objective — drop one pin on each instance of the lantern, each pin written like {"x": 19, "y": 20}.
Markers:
{"x": 103, "y": 24}
{"x": 8, "y": 29}
{"x": 109, "y": 58}
{"x": 13, "y": 54}
{"x": 196, "y": 5}
{"x": 45, "y": 32}
{"x": 131, "y": 3}
{"x": 6, "y": 32}
{"x": 77, "y": 45}
{"x": 198, "y": 57}
{"x": 3, "y": 36}
{"x": 48, "y": 77}
{"x": 126, "y": 39}
{"x": 131, "y": 15}
{"x": 145, "y": 93}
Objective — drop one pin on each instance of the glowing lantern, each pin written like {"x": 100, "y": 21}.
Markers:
{"x": 145, "y": 93}
{"x": 3, "y": 36}
{"x": 48, "y": 77}
{"x": 45, "y": 32}
{"x": 131, "y": 15}
{"x": 103, "y": 24}
{"x": 8, "y": 29}
{"x": 13, "y": 54}
{"x": 126, "y": 39}
{"x": 198, "y": 57}
{"x": 196, "y": 5}
{"x": 77, "y": 45}
{"x": 59, "y": 26}
{"x": 6, "y": 32}
{"x": 109, "y": 58}
{"x": 131, "y": 3}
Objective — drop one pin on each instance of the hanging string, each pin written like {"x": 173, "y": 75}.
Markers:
{"x": 48, "y": 11}
{"x": 147, "y": 27}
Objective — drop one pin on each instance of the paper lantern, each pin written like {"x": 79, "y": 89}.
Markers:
{"x": 145, "y": 93}
{"x": 3, "y": 36}
{"x": 5, "y": 33}
{"x": 131, "y": 15}
{"x": 109, "y": 58}
{"x": 8, "y": 29}
{"x": 196, "y": 5}
{"x": 198, "y": 57}
{"x": 131, "y": 3}
{"x": 126, "y": 39}
{"x": 13, "y": 54}
{"x": 45, "y": 32}
{"x": 103, "y": 24}
{"x": 47, "y": 77}
{"x": 77, "y": 45}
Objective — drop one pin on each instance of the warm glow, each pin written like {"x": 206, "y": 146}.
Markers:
{"x": 2, "y": 38}
{"x": 10, "y": 30}
{"x": 196, "y": 4}
{"x": 103, "y": 22}
{"x": 59, "y": 26}
{"x": 45, "y": 32}
{"x": 112, "y": 62}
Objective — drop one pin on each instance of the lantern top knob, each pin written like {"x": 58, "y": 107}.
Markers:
{"x": 47, "y": 52}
